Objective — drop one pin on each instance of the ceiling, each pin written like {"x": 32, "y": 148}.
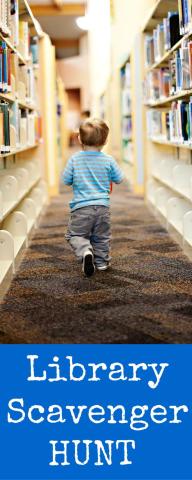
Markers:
{"x": 60, "y": 26}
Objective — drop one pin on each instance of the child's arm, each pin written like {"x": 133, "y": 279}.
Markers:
{"x": 67, "y": 175}
{"x": 117, "y": 176}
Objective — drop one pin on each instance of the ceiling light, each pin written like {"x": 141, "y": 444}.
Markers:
{"x": 84, "y": 22}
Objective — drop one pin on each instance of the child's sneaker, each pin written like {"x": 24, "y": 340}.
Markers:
{"x": 88, "y": 264}
{"x": 102, "y": 268}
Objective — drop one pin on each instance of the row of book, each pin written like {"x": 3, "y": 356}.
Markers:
{"x": 173, "y": 125}
{"x": 164, "y": 37}
{"x": 27, "y": 81}
{"x": 14, "y": 28}
{"x": 28, "y": 45}
{"x": 157, "y": 85}
{"x": 126, "y": 106}
{"x": 18, "y": 127}
{"x": 127, "y": 151}
{"x": 164, "y": 82}
{"x": 17, "y": 30}
{"x": 9, "y": 19}
{"x": 20, "y": 80}
{"x": 126, "y": 112}
{"x": 127, "y": 128}
{"x": 126, "y": 76}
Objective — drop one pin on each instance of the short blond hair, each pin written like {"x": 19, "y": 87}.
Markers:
{"x": 93, "y": 132}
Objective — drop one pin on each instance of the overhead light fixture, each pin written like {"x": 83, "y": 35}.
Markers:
{"x": 84, "y": 23}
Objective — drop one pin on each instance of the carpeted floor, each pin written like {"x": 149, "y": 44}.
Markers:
{"x": 146, "y": 296}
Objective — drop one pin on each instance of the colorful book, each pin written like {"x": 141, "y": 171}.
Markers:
{"x": 4, "y": 108}
{"x": 173, "y": 27}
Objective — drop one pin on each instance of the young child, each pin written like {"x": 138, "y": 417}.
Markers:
{"x": 91, "y": 172}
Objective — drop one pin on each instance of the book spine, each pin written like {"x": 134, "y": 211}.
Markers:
{"x": 1, "y": 70}
{"x": 5, "y": 68}
{"x": 181, "y": 19}
{"x": 2, "y": 128}
{"x": 6, "y": 128}
{"x": 189, "y": 4}
{"x": 179, "y": 71}
{"x": 190, "y": 119}
{"x": 1, "y": 131}
{"x": 9, "y": 70}
{"x": 190, "y": 62}
{"x": 186, "y": 15}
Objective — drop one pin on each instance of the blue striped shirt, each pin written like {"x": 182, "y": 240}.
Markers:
{"x": 91, "y": 173}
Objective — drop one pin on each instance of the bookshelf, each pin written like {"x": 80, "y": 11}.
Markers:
{"x": 62, "y": 133}
{"x": 167, "y": 72}
{"x": 23, "y": 190}
{"x": 127, "y": 121}
{"x": 130, "y": 113}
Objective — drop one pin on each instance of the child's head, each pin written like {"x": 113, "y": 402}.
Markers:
{"x": 93, "y": 133}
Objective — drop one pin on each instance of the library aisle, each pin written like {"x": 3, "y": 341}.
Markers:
{"x": 130, "y": 65}
{"x": 144, "y": 298}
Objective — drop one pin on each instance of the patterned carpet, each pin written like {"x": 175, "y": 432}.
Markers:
{"x": 146, "y": 296}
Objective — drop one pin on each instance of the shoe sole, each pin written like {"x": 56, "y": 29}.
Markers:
{"x": 105, "y": 267}
{"x": 88, "y": 265}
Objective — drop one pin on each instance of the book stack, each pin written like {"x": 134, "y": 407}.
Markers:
{"x": 158, "y": 125}
{"x": 19, "y": 128}
{"x": 24, "y": 39}
{"x": 180, "y": 120}
{"x": 185, "y": 16}
{"x": 5, "y": 68}
{"x": 181, "y": 68}
{"x": 126, "y": 90}
{"x": 127, "y": 129}
{"x": 126, "y": 112}
{"x": 157, "y": 85}
{"x": 126, "y": 102}
{"x": 5, "y": 12}
{"x": 4, "y": 128}
{"x": 164, "y": 37}
{"x": 26, "y": 83}
{"x": 9, "y": 20}
{"x": 164, "y": 82}
{"x": 27, "y": 128}
{"x": 14, "y": 23}
{"x": 173, "y": 125}
{"x": 34, "y": 50}
{"x": 38, "y": 128}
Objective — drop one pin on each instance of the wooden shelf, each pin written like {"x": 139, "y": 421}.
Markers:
{"x": 9, "y": 98}
{"x": 168, "y": 54}
{"x": 26, "y": 11}
{"x": 158, "y": 12}
{"x": 172, "y": 98}
{"x": 13, "y": 207}
{"x": 171, "y": 144}
{"x": 20, "y": 150}
{"x": 27, "y": 106}
{"x": 13, "y": 49}
{"x": 172, "y": 188}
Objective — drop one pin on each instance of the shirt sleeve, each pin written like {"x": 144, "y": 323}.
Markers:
{"x": 117, "y": 175}
{"x": 67, "y": 175}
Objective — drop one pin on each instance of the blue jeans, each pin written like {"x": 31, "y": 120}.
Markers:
{"x": 90, "y": 229}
